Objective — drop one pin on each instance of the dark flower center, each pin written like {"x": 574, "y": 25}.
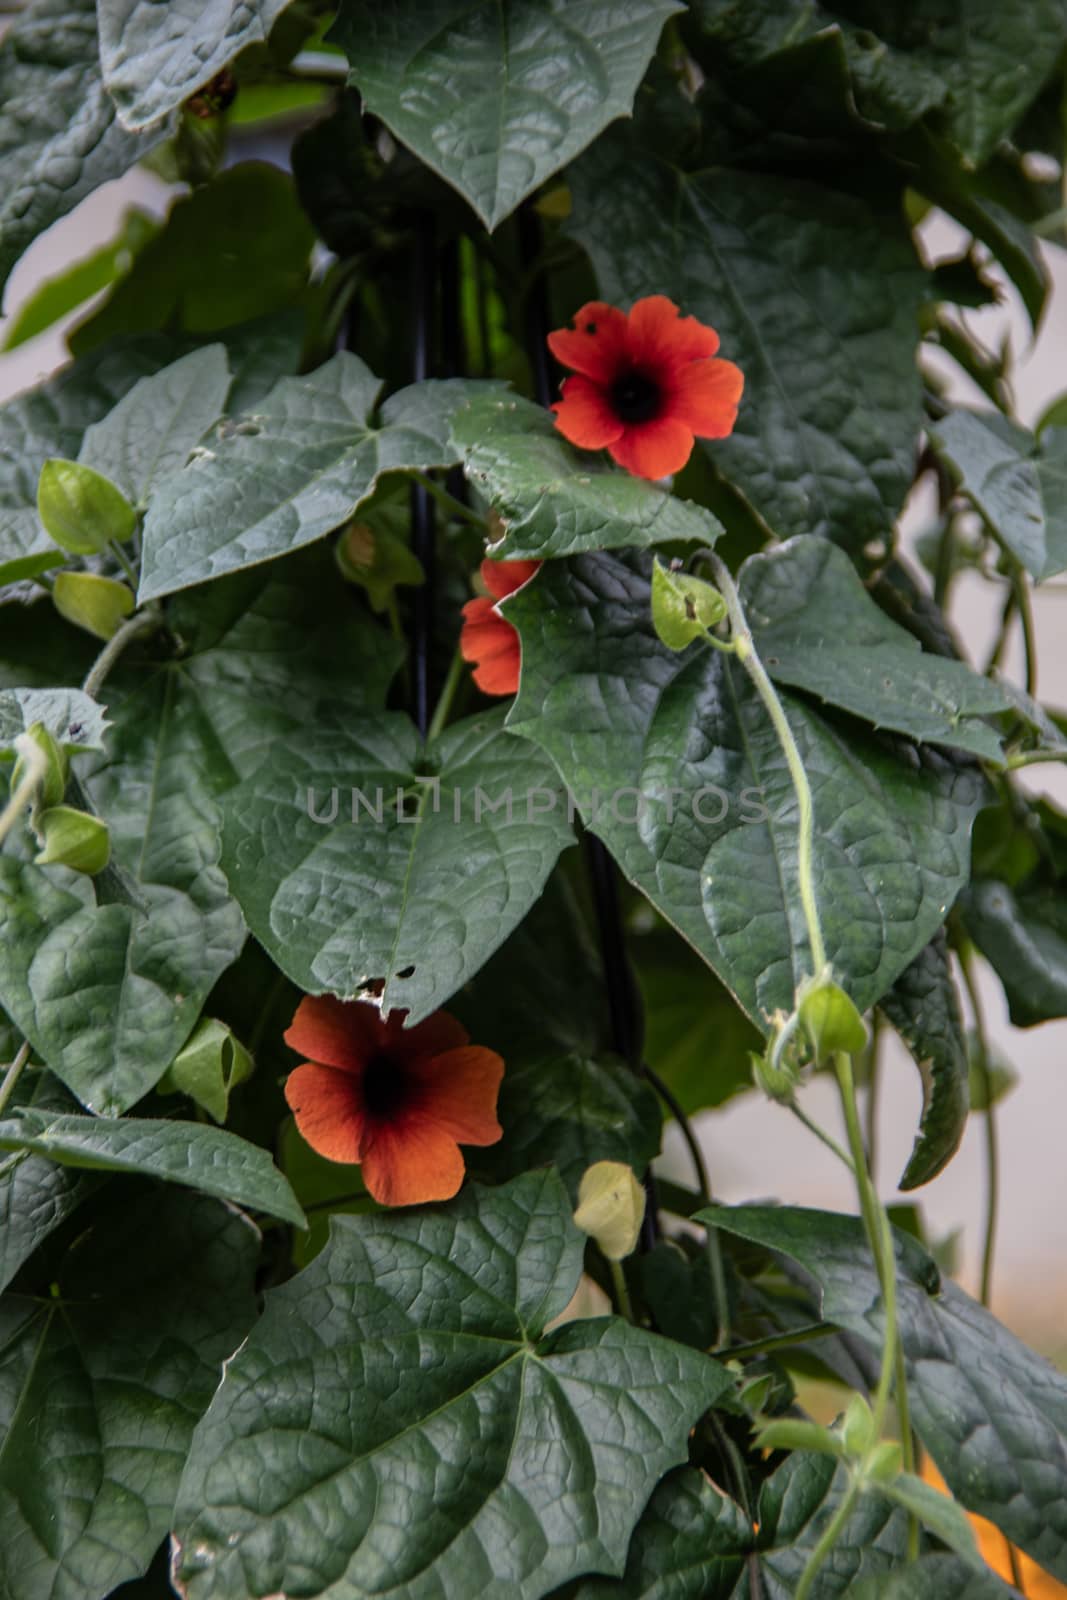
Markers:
{"x": 384, "y": 1088}
{"x": 635, "y": 397}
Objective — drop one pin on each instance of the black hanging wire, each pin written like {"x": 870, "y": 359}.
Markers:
{"x": 624, "y": 1002}
{"x": 423, "y": 295}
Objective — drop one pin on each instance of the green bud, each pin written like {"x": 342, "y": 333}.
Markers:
{"x": 80, "y": 509}
{"x": 53, "y": 783}
{"x": 791, "y": 1433}
{"x": 884, "y": 1462}
{"x": 857, "y": 1427}
{"x": 99, "y": 605}
{"x": 370, "y": 554}
{"x": 683, "y": 607}
{"x": 611, "y": 1207}
{"x": 73, "y": 839}
{"x": 755, "y": 1394}
{"x": 211, "y": 1064}
{"x": 830, "y": 1018}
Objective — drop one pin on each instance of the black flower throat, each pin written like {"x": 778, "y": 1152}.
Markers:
{"x": 635, "y": 397}
{"x": 384, "y": 1088}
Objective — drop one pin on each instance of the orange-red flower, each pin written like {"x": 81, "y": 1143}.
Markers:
{"x": 400, "y": 1101}
{"x": 646, "y": 384}
{"x": 487, "y": 638}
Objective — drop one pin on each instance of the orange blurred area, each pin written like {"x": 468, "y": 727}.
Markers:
{"x": 1037, "y": 1583}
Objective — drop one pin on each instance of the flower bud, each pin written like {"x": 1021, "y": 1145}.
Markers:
{"x": 884, "y": 1462}
{"x": 683, "y": 607}
{"x": 96, "y": 604}
{"x": 210, "y": 1064}
{"x": 830, "y": 1018}
{"x": 857, "y": 1427}
{"x": 611, "y": 1207}
{"x": 73, "y": 839}
{"x": 370, "y": 554}
{"x": 53, "y": 782}
{"x": 80, "y": 509}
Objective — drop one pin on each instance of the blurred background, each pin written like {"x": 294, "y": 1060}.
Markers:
{"x": 750, "y": 1138}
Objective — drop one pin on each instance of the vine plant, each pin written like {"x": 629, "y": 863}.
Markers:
{"x": 467, "y": 701}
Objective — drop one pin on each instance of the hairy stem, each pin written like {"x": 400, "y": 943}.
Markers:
{"x": 777, "y": 1341}
{"x": 445, "y": 698}
{"x": 831, "y": 1534}
{"x": 36, "y": 766}
{"x": 13, "y": 1074}
{"x": 448, "y": 502}
{"x": 146, "y": 621}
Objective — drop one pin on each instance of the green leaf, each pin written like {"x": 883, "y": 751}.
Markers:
{"x": 554, "y": 500}
{"x": 1019, "y": 484}
{"x": 36, "y": 1196}
{"x": 358, "y": 858}
{"x": 569, "y": 1112}
{"x": 937, "y": 1512}
{"x": 924, "y": 1008}
{"x": 404, "y": 1381}
{"x": 943, "y": 1575}
{"x": 58, "y": 134}
{"x": 236, "y": 248}
{"x": 101, "y": 1385}
{"x": 826, "y": 435}
{"x": 292, "y": 471}
{"x": 694, "y": 1543}
{"x": 684, "y": 739}
{"x": 155, "y": 426}
{"x": 190, "y": 1153}
{"x": 817, "y": 629}
{"x": 991, "y": 1413}
{"x": 1023, "y": 935}
{"x": 496, "y": 98}
{"x": 57, "y": 297}
{"x": 72, "y": 718}
{"x": 154, "y": 57}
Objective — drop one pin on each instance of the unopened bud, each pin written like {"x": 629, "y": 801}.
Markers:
{"x": 683, "y": 607}
{"x": 830, "y": 1019}
{"x": 99, "y": 605}
{"x": 81, "y": 510}
{"x": 611, "y": 1207}
{"x": 73, "y": 839}
{"x": 53, "y": 782}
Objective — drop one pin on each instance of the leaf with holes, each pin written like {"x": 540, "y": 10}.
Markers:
{"x": 826, "y": 435}
{"x": 694, "y": 1542}
{"x": 403, "y": 1391}
{"x": 153, "y": 428}
{"x": 497, "y": 98}
{"x": 291, "y": 471}
{"x": 991, "y": 1413}
{"x": 554, "y": 500}
{"x": 58, "y": 135}
{"x": 817, "y": 629}
{"x": 101, "y": 1385}
{"x": 674, "y": 762}
{"x": 190, "y": 1153}
{"x": 154, "y": 57}
{"x": 358, "y": 858}
{"x": 924, "y": 1008}
{"x": 1019, "y": 484}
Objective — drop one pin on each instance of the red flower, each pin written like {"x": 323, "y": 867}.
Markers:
{"x": 400, "y": 1101}
{"x": 487, "y": 637}
{"x": 646, "y": 384}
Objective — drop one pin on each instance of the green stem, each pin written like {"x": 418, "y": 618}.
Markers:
{"x": 622, "y": 1293}
{"x": 712, "y": 1241}
{"x": 124, "y": 562}
{"x": 820, "y": 1133}
{"x": 13, "y": 1074}
{"x": 1021, "y": 591}
{"x": 991, "y": 1143}
{"x": 36, "y": 765}
{"x": 831, "y": 1534}
{"x": 996, "y": 655}
{"x": 445, "y": 699}
{"x": 746, "y": 652}
{"x": 141, "y": 622}
{"x": 454, "y": 507}
{"x": 871, "y": 1106}
{"x": 777, "y": 1341}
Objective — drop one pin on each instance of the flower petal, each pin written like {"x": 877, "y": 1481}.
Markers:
{"x": 585, "y": 415}
{"x": 493, "y": 644}
{"x": 335, "y": 1033}
{"x": 412, "y": 1162}
{"x": 502, "y": 578}
{"x": 458, "y": 1093}
{"x": 705, "y": 396}
{"x": 660, "y": 338}
{"x": 654, "y": 449}
{"x": 432, "y": 1037}
{"x": 328, "y": 1107}
{"x": 596, "y": 344}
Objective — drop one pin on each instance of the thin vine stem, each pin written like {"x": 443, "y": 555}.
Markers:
{"x": 124, "y": 561}
{"x": 448, "y": 502}
{"x": 831, "y": 1534}
{"x": 776, "y": 1341}
{"x": 712, "y": 1240}
{"x": 445, "y": 698}
{"x": 820, "y": 1133}
{"x": 622, "y": 1293}
{"x": 13, "y": 1074}
{"x": 992, "y": 1210}
{"x": 146, "y": 621}
{"x": 745, "y": 647}
{"x": 1024, "y": 606}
